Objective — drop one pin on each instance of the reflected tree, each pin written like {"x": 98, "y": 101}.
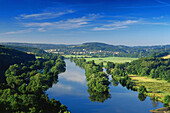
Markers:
{"x": 98, "y": 96}
{"x": 142, "y": 97}
{"x": 115, "y": 81}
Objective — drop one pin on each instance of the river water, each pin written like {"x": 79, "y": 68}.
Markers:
{"x": 71, "y": 90}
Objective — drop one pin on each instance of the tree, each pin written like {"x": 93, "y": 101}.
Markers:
{"x": 167, "y": 99}
{"x": 142, "y": 89}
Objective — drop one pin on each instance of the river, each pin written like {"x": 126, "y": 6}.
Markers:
{"x": 71, "y": 90}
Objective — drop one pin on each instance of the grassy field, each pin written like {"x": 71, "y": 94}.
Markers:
{"x": 111, "y": 59}
{"x": 82, "y": 56}
{"x": 166, "y": 57}
{"x": 157, "y": 88}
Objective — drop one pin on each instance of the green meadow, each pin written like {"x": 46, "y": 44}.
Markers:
{"x": 104, "y": 60}
{"x": 166, "y": 57}
{"x": 111, "y": 59}
{"x": 80, "y": 56}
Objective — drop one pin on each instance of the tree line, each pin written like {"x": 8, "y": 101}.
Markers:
{"x": 97, "y": 80}
{"x": 153, "y": 67}
{"x": 26, "y": 82}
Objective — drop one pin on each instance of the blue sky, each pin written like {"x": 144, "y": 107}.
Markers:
{"x": 117, "y": 22}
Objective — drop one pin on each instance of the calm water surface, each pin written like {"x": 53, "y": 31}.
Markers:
{"x": 71, "y": 90}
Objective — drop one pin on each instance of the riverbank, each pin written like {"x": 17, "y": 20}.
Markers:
{"x": 157, "y": 89}
{"x": 161, "y": 110}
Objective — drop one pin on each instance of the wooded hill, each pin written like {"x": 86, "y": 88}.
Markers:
{"x": 100, "y": 49}
{"x": 10, "y": 56}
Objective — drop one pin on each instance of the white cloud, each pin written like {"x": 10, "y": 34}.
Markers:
{"x": 122, "y": 23}
{"x": 157, "y": 18}
{"x": 125, "y": 24}
{"x": 42, "y": 16}
{"x": 41, "y": 29}
{"x": 116, "y": 25}
{"x": 109, "y": 28}
{"x": 154, "y": 23}
{"x": 67, "y": 24}
{"x": 43, "y": 24}
{"x": 17, "y": 32}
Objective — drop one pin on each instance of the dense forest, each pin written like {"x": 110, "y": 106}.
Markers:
{"x": 152, "y": 67}
{"x": 96, "y": 49}
{"x": 10, "y": 56}
{"x": 26, "y": 80}
{"x": 97, "y": 80}
{"x": 28, "y": 49}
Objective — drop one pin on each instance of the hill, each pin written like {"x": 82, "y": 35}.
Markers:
{"x": 27, "y": 49}
{"x": 98, "y": 49}
{"x": 10, "y": 56}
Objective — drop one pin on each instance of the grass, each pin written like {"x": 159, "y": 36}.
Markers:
{"x": 104, "y": 60}
{"x": 111, "y": 59}
{"x": 155, "y": 87}
{"x": 166, "y": 57}
{"x": 81, "y": 56}
{"x": 37, "y": 57}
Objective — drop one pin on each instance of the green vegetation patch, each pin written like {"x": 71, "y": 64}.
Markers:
{"x": 166, "y": 57}
{"x": 78, "y": 56}
{"x": 157, "y": 88}
{"x": 111, "y": 59}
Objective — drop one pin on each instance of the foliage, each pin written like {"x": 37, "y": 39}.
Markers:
{"x": 9, "y": 57}
{"x": 142, "y": 89}
{"x": 151, "y": 67}
{"x": 28, "y": 49}
{"x": 167, "y": 100}
{"x": 97, "y": 80}
{"x": 25, "y": 86}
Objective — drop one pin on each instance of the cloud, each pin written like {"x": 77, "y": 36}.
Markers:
{"x": 67, "y": 24}
{"x": 152, "y": 23}
{"x": 17, "y": 32}
{"x": 157, "y": 18}
{"x": 42, "y": 16}
{"x": 122, "y": 23}
{"x": 108, "y": 29}
{"x": 116, "y": 25}
{"x": 125, "y": 24}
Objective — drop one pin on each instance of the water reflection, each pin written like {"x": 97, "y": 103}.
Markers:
{"x": 73, "y": 73}
{"x": 74, "y": 77}
{"x": 142, "y": 97}
{"x": 71, "y": 82}
{"x": 72, "y": 91}
{"x": 98, "y": 96}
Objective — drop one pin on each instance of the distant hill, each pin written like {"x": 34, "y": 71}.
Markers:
{"x": 27, "y": 49}
{"x": 98, "y": 49}
{"x": 40, "y": 46}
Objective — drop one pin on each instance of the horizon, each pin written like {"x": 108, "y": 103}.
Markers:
{"x": 114, "y": 22}
{"x": 82, "y": 43}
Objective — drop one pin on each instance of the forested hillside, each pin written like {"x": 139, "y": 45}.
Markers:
{"x": 28, "y": 49}
{"x": 25, "y": 81}
{"x": 96, "y": 49}
{"x": 11, "y": 56}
